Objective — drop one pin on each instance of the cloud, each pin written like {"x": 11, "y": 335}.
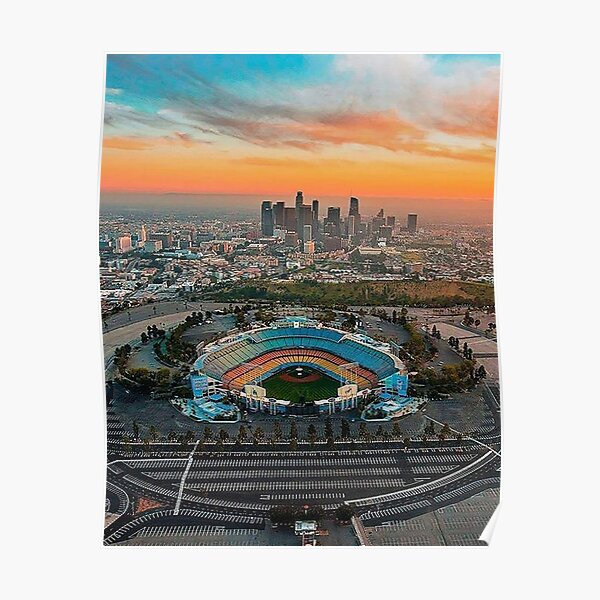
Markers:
{"x": 399, "y": 103}
{"x": 146, "y": 142}
{"x": 126, "y": 143}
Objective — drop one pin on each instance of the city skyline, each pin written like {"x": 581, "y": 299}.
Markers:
{"x": 394, "y": 126}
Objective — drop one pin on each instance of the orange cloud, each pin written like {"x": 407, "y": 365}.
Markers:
{"x": 203, "y": 170}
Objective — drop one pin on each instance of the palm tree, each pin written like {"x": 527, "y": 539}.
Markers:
{"x": 345, "y": 429}
{"x": 259, "y": 434}
{"x": 362, "y": 430}
{"x": 154, "y": 433}
{"x": 126, "y": 441}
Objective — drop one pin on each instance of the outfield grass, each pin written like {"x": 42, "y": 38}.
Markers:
{"x": 325, "y": 387}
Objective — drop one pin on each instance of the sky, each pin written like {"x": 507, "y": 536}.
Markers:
{"x": 371, "y": 125}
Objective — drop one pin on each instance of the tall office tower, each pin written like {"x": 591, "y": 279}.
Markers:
{"x": 411, "y": 223}
{"x": 266, "y": 218}
{"x": 299, "y": 199}
{"x": 307, "y": 218}
{"x": 307, "y": 233}
{"x": 303, "y": 217}
{"x": 334, "y": 220}
{"x": 353, "y": 211}
{"x": 289, "y": 218}
{"x": 278, "y": 210}
{"x": 385, "y": 231}
{"x": 291, "y": 239}
{"x": 143, "y": 235}
{"x": 351, "y": 225}
{"x": 315, "y": 219}
{"x": 124, "y": 244}
{"x": 380, "y": 214}
{"x": 377, "y": 223}
{"x": 391, "y": 221}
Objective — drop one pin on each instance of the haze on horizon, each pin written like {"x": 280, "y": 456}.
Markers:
{"x": 404, "y": 130}
{"x": 430, "y": 210}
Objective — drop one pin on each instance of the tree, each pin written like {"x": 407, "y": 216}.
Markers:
{"x": 345, "y": 429}
{"x": 136, "y": 430}
{"x": 293, "y": 430}
{"x": 328, "y": 428}
{"x": 362, "y": 430}
{"x": 146, "y": 442}
{"x": 293, "y": 444}
{"x": 283, "y": 515}
{"x": 154, "y": 433}
{"x": 223, "y": 435}
{"x": 242, "y": 433}
{"x": 403, "y": 315}
{"x": 277, "y": 432}
{"x": 208, "y": 433}
{"x": 396, "y": 431}
{"x": 144, "y": 337}
{"x": 126, "y": 441}
{"x": 330, "y": 443}
{"x": 259, "y": 434}
{"x": 344, "y": 513}
{"x": 312, "y": 434}
{"x": 188, "y": 437}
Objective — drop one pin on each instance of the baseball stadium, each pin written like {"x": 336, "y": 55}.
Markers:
{"x": 298, "y": 361}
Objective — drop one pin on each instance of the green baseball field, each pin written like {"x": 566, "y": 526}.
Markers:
{"x": 301, "y": 384}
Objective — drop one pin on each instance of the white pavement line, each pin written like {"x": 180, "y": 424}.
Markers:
{"x": 430, "y": 486}
{"x": 109, "y": 484}
{"x": 466, "y": 437}
{"x": 185, "y": 474}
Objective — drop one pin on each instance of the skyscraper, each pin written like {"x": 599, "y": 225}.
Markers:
{"x": 354, "y": 211}
{"x": 289, "y": 218}
{"x": 299, "y": 199}
{"x": 333, "y": 220}
{"x": 266, "y": 218}
{"x": 391, "y": 221}
{"x": 307, "y": 233}
{"x": 278, "y": 210}
{"x": 352, "y": 228}
{"x": 143, "y": 235}
{"x": 411, "y": 223}
{"x": 315, "y": 219}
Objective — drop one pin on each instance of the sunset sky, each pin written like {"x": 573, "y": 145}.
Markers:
{"x": 404, "y": 126}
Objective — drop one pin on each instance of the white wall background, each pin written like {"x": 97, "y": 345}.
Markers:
{"x": 51, "y": 425}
